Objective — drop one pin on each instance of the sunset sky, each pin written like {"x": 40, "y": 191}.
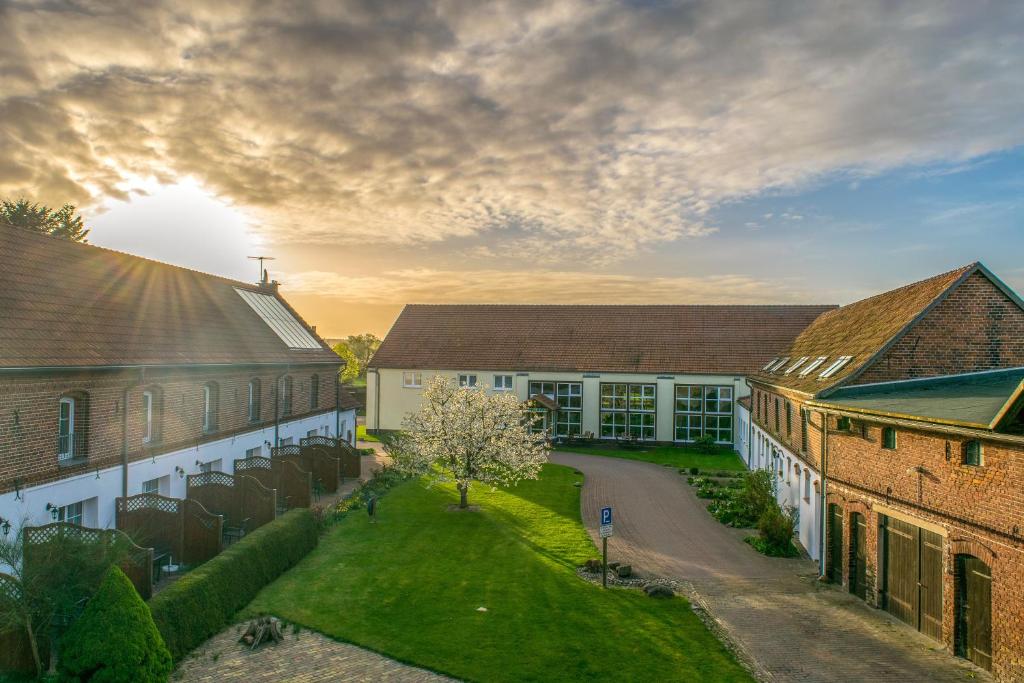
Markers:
{"x": 560, "y": 152}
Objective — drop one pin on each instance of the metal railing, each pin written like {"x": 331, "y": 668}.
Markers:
{"x": 71, "y": 446}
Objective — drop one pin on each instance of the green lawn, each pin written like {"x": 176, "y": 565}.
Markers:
{"x": 410, "y": 587}
{"x": 676, "y": 456}
{"x": 363, "y": 436}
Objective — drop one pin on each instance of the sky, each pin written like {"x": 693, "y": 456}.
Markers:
{"x": 549, "y": 152}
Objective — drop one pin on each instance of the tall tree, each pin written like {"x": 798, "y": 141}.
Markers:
{"x": 362, "y": 346}
{"x": 467, "y": 435}
{"x": 351, "y": 369}
{"x": 64, "y": 222}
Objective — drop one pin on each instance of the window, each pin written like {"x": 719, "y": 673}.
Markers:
{"x": 468, "y": 381}
{"x": 314, "y": 392}
{"x": 807, "y": 485}
{"x": 777, "y": 417}
{"x": 412, "y": 380}
{"x": 770, "y": 364}
{"x": 842, "y": 424}
{"x": 628, "y": 409}
{"x": 66, "y": 430}
{"x": 287, "y": 385}
{"x": 701, "y": 410}
{"x": 774, "y": 367}
{"x": 799, "y": 361}
{"x": 280, "y": 320}
{"x": 311, "y": 433}
{"x": 789, "y": 419}
{"x": 803, "y": 430}
{"x": 147, "y": 416}
{"x": 569, "y": 396}
{"x": 151, "y": 486}
{"x": 812, "y": 366}
{"x": 889, "y": 437}
{"x": 836, "y": 366}
{"x": 211, "y": 466}
{"x": 973, "y": 453}
{"x": 255, "y": 399}
{"x": 287, "y": 441}
{"x": 503, "y": 382}
{"x": 210, "y": 401}
{"x": 72, "y": 514}
{"x": 254, "y": 452}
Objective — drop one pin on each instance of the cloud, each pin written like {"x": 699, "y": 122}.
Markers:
{"x": 601, "y": 126}
{"x": 426, "y": 285}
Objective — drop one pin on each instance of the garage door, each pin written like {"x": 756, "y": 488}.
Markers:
{"x": 912, "y": 562}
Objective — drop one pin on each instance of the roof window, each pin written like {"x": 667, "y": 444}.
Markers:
{"x": 777, "y": 365}
{"x": 770, "y": 363}
{"x": 836, "y": 366}
{"x": 813, "y": 365}
{"x": 799, "y": 361}
{"x": 280, "y": 320}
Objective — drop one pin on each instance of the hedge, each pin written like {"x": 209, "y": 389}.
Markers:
{"x": 115, "y": 639}
{"x": 203, "y": 601}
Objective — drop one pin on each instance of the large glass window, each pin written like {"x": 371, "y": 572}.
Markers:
{"x": 72, "y": 514}
{"x": 628, "y": 409}
{"x": 701, "y": 410}
{"x": 569, "y": 397}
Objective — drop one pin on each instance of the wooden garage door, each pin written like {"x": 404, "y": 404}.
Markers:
{"x": 834, "y": 562}
{"x": 974, "y": 610}
{"x": 913, "y": 575}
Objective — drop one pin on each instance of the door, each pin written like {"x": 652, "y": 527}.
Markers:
{"x": 974, "y": 610}
{"x": 834, "y": 568}
{"x": 858, "y": 555}
{"x": 913, "y": 575}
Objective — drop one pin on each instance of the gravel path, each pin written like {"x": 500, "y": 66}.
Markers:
{"x": 783, "y": 621}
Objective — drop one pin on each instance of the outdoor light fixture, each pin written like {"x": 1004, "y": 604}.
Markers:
{"x": 199, "y": 465}
{"x": 52, "y": 509}
{"x": 5, "y": 526}
{"x": 180, "y": 470}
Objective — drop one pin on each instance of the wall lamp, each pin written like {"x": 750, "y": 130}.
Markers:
{"x": 53, "y": 510}
{"x": 5, "y": 526}
{"x": 180, "y": 470}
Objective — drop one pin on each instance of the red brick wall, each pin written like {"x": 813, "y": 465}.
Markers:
{"x": 976, "y": 327}
{"x": 981, "y": 509}
{"x": 29, "y": 407}
{"x": 791, "y": 438}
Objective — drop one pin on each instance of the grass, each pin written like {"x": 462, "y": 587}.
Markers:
{"x": 410, "y": 587}
{"x": 676, "y": 456}
{"x": 361, "y": 434}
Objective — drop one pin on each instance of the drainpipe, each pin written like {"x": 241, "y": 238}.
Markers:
{"x": 124, "y": 430}
{"x": 337, "y": 406}
{"x": 750, "y": 426}
{"x": 822, "y": 506}
{"x": 376, "y": 401}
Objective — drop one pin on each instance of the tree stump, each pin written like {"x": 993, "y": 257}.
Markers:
{"x": 262, "y": 630}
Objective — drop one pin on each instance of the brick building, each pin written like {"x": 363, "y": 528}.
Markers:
{"x": 894, "y": 427}
{"x": 120, "y": 375}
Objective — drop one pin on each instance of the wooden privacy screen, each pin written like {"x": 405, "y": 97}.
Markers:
{"x": 41, "y": 543}
{"x": 15, "y": 650}
{"x": 294, "y": 484}
{"x": 349, "y": 460}
{"x": 236, "y": 498}
{"x": 182, "y": 527}
{"x": 321, "y": 463}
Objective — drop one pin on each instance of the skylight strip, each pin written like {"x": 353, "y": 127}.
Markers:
{"x": 279, "y": 320}
{"x": 813, "y": 365}
{"x": 836, "y": 366}
{"x": 799, "y": 361}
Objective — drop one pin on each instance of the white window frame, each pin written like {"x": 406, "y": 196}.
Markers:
{"x": 207, "y": 408}
{"x": 147, "y": 412}
{"x": 68, "y": 452}
{"x": 412, "y": 379}
{"x": 147, "y": 486}
{"x": 72, "y": 513}
{"x": 836, "y": 366}
{"x": 799, "y": 361}
{"x": 254, "y": 400}
{"x": 778, "y": 364}
{"x": 504, "y": 382}
{"x": 770, "y": 364}
{"x": 812, "y": 366}
{"x": 467, "y": 380}
{"x": 254, "y": 452}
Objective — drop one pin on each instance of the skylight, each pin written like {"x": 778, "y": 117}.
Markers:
{"x": 770, "y": 363}
{"x": 836, "y": 366}
{"x": 782, "y": 361}
{"x": 280, "y": 320}
{"x": 812, "y": 366}
{"x": 799, "y": 361}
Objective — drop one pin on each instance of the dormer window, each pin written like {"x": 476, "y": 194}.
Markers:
{"x": 836, "y": 366}
{"x": 799, "y": 361}
{"x": 813, "y": 365}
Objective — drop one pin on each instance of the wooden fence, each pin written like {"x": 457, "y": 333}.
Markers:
{"x": 349, "y": 460}
{"x": 294, "y": 485}
{"x": 324, "y": 465}
{"x": 137, "y": 564}
{"x": 15, "y": 650}
{"x": 243, "y": 501}
{"x": 181, "y": 527}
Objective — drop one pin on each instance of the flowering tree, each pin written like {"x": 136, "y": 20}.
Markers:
{"x": 465, "y": 434}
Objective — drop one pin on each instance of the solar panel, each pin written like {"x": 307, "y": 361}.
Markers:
{"x": 280, "y": 320}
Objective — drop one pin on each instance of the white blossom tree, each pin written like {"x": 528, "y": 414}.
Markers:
{"x": 467, "y": 435}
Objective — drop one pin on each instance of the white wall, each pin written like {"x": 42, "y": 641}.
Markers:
{"x": 102, "y": 487}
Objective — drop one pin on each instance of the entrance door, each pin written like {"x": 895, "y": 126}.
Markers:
{"x": 834, "y": 568}
{"x": 913, "y": 575}
{"x": 974, "y": 610}
{"x": 858, "y": 555}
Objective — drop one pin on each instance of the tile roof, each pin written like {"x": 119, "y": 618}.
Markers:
{"x": 861, "y": 330}
{"x": 642, "y": 339}
{"x": 974, "y": 400}
{"x": 347, "y": 401}
{"x": 70, "y": 304}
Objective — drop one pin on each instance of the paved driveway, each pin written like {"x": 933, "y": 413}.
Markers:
{"x": 785, "y": 623}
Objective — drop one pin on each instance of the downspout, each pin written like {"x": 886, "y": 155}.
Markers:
{"x": 337, "y": 406}
{"x": 824, "y": 479}
{"x": 750, "y": 426}
{"x": 124, "y": 430}
{"x": 376, "y": 400}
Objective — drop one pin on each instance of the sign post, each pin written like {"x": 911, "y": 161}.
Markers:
{"x": 606, "y": 531}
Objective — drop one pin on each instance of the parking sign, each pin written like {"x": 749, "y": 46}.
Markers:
{"x": 606, "y": 522}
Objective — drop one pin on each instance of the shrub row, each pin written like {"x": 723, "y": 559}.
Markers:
{"x": 204, "y": 601}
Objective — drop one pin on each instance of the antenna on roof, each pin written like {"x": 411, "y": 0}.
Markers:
{"x": 262, "y": 277}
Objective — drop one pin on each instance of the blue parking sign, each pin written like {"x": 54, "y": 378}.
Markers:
{"x": 606, "y": 516}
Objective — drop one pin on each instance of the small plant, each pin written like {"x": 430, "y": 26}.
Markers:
{"x": 775, "y": 528}
{"x": 705, "y": 443}
{"x": 694, "y": 470}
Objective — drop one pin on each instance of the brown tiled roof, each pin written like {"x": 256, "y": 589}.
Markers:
{"x": 70, "y": 304}
{"x": 347, "y": 401}
{"x": 641, "y": 339}
{"x": 861, "y": 329}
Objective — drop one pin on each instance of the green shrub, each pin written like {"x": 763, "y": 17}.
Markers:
{"x": 776, "y": 532}
{"x": 694, "y": 470}
{"x": 706, "y": 444}
{"x": 203, "y": 601}
{"x": 757, "y": 495}
{"x": 115, "y": 639}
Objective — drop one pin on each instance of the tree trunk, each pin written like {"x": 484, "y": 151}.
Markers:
{"x": 463, "y": 495}
{"x": 35, "y": 648}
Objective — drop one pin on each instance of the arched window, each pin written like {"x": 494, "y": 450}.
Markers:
{"x": 66, "y": 429}
{"x": 889, "y": 438}
{"x": 314, "y": 392}
{"x": 255, "y": 394}
{"x": 807, "y": 484}
{"x": 973, "y": 453}
{"x": 151, "y": 414}
{"x": 286, "y": 395}
{"x": 211, "y": 399}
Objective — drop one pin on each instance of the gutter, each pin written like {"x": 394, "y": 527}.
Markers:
{"x": 124, "y": 428}
{"x": 923, "y": 426}
{"x": 824, "y": 495}
{"x": 101, "y": 368}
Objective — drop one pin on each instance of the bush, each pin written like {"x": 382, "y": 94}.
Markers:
{"x": 776, "y": 532}
{"x": 115, "y": 639}
{"x": 694, "y": 470}
{"x": 706, "y": 444}
{"x": 203, "y": 601}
